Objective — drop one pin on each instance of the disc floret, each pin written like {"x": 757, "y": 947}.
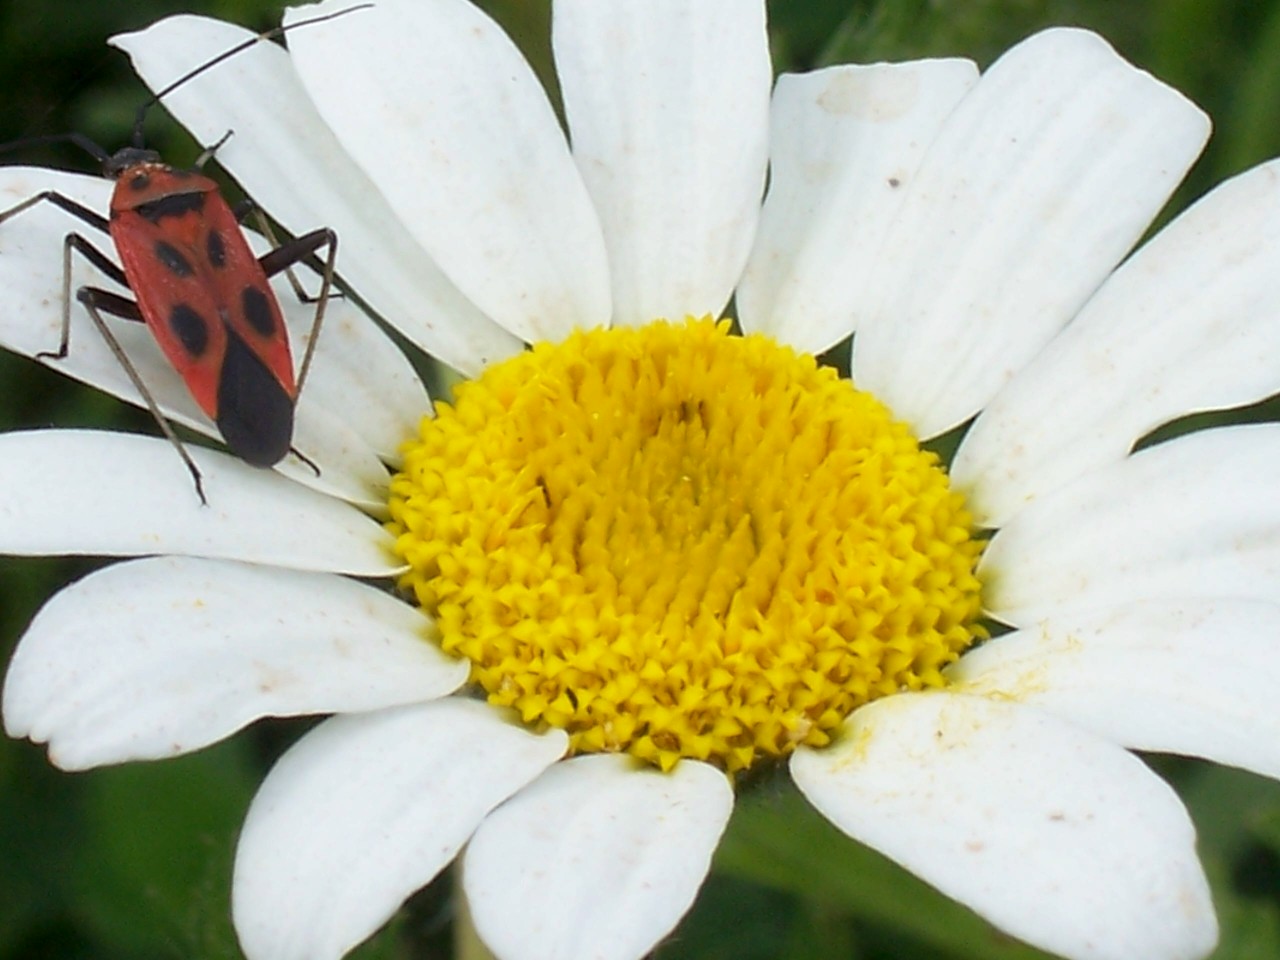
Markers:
{"x": 677, "y": 542}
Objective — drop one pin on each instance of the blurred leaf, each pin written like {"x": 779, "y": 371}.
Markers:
{"x": 155, "y": 870}
{"x": 1230, "y": 807}
{"x": 1250, "y": 928}
{"x": 387, "y": 944}
{"x": 979, "y": 29}
{"x": 1250, "y": 128}
{"x": 736, "y": 920}
{"x": 800, "y": 33}
{"x": 528, "y": 23}
{"x": 1237, "y": 817}
{"x": 40, "y": 837}
{"x": 781, "y": 841}
{"x": 1267, "y": 827}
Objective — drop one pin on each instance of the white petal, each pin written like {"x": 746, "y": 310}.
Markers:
{"x": 1059, "y": 838}
{"x": 439, "y": 108}
{"x": 162, "y": 656}
{"x": 1039, "y": 183}
{"x": 1197, "y": 516}
{"x": 1195, "y": 677}
{"x": 115, "y": 494}
{"x": 668, "y": 109}
{"x": 845, "y": 143}
{"x": 600, "y": 857}
{"x": 363, "y": 811}
{"x": 329, "y": 430}
{"x": 1188, "y": 324}
{"x": 287, "y": 158}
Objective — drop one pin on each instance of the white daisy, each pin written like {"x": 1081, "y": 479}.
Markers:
{"x": 663, "y": 553}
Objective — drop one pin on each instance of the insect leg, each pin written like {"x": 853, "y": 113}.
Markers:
{"x": 73, "y": 241}
{"x": 73, "y": 207}
{"x": 98, "y": 302}
{"x": 111, "y": 304}
{"x": 246, "y": 208}
{"x": 207, "y": 154}
{"x": 315, "y": 467}
{"x": 95, "y": 256}
{"x": 283, "y": 257}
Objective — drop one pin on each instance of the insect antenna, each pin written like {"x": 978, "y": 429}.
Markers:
{"x": 271, "y": 34}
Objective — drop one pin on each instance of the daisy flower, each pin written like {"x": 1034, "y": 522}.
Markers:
{"x": 638, "y": 552}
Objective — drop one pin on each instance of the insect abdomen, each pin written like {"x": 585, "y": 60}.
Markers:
{"x": 255, "y": 414}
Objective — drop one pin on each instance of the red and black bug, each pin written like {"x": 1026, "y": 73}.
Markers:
{"x": 197, "y": 285}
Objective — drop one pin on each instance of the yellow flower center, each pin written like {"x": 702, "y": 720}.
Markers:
{"x": 677, "y": 542}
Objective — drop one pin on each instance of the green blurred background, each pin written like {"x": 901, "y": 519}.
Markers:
{"x": 135, "y": 862}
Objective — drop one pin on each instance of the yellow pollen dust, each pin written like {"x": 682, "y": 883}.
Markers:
{"x": 677, "y": 542}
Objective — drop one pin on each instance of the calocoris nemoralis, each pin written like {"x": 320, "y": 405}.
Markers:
{"x": 197, "y": 285}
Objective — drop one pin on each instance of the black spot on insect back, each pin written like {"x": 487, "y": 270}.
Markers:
{"x": 139, "y": 181}
{"x": 257, "y": 310}
{"x": 171, "y": 206}
{"x": 190, "y": 328}
{"x": 216, "y": 249}
{"x": 173, "y": 259}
